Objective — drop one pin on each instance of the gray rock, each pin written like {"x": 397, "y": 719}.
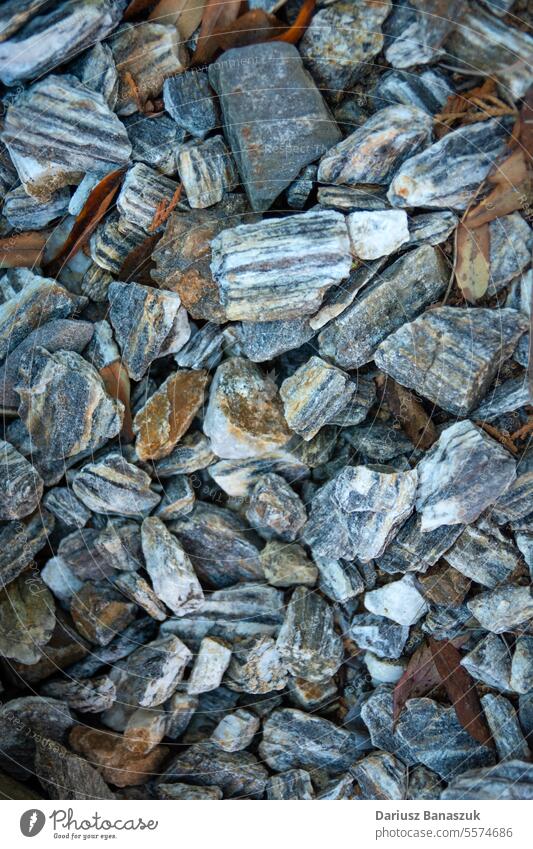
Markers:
{"x": 155, "y": 141}
{"x": 21, "y": 486}
{"x": 68, "y": 510}
{"x": 423, "y": 783}
{"x": 428, "y": 90}
{"x": 514, "y": 504}
{"x": 502, "y": 609}
{"x": 508, "y": 780}
{"x": 114, "y": 486}
{"x": 310, "y": 251}
{"x": 49, "y": 143}
{"x": 139, "y": 591}
{"x": 350, "y": 198}
{"x": 339, "y": 580}
{"x": 381, "y": 776}
{"x": 307, "y": 642}
{"x": 173, "y": 577}
{"x": 421, "y": 41}
{"x": 291, "y": 784}
{"x": 378, "y": 442}
{"x": 192, "y": 453}
{"x": 298, "y": 192}
{"x": 28, "y": 618}
{"x": 143, "y": 190}
{"x": 274, "y": 117}
{"x": 287, "y": 565}
{"x": 313, "y": 395}
{"x": 87, "y": 696}
{"x": 211, "y": 662}
{"x": 135, "y": 635}
{"x": 112, "y": 241}
{"x": 204, "y": 349}
{"x": 206, "y": 171}
{"x": 27, "y": 213}
{"x": 236, "y": 731}
{"x": 264, "y": 340}
{"x": 505, "y": 729}
{"x": 490, "y": 662}
{"x": 448, "y": 173}
{"x": 376, "y": 713}
{"x": 100, "y": 612}
{"x": 236, "y": 774}
{"x": 119, "y": 545}
{"x": 238, "y": 477}
{"x": 45, "y": 718}
{"x": 504, "y": 398}
{"x": 511, "y": 242}
{"x": 378, "y": 634}
{"x": 375, "y": 150}
{"x": 522, "y": 665}
{"x": 413, "y": 550}
{"x": 431, "y": 228}
{"x": 256, "y": 667}
{"x": 150, "y": 674}
{"x": 188, "y": 792}
{"x": 177, "y": 500}
{"x": 275, "y": 510}
{"x": 484, "y": 555}
{"x": 64, "y": 775}
{"x": 377, "y": 234}
{"x": 461, "y": 475}
{"x": 416, "y": 279}
{"x": 189, "y": 99}
{"x": 96, "y": 69}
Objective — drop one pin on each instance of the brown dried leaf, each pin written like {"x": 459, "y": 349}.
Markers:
{"x": 472, "y": 263}
{"x": 137, "y": 264}
{"x": 137, "y": 8}
{"x": 294, "y": 33}
{"x": 185, "y": 14}
{"x": 419, "y": 678}
{"x": 218, "y": 15}
{"x": 96, "y": 206}
{"x": 461, "y": 690}
{"x": 164, "y": 209}
{"x": 477, "y": 104}
{"x": 410, "y": 413}
{"x": 23, "y": 250}
{"x": 511, "y": 183}
{"x": 117, "y": 384}
{"x": 251, "y": 28}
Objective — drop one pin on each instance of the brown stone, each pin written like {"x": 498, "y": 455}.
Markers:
{"x": 99, "y": 612}
{"x": 442, "y": 584}
{"x": 168, "y": 413}
{"x": 108, "y": 754}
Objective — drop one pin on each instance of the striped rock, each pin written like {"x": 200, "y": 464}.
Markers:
{"x": 27, "y": 213}
{"x": 313, "y": 395}
{"x": 148, "y": 53}
{"x": 280, "y": 268}
{"x": 112, "y": 241}
{"x": 58, "y": 130}
{"x": 142, "y": 192}
{"x": 52, "y": 38}
{"x": 96, "y": 69}
{"x": 207, "y": 171}
{"x": 21, "y": 487}
{"x": 115, "y": 486}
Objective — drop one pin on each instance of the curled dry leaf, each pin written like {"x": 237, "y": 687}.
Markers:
{"x": 23, "y": 250}
{"x": 185, "y": 14}
{"x": 164, "y": 209}
{"x": 410, "y": 413}
{"x": 472, "y": 268}
{"x": 96, "y": 206}
{"x": 117, "y": 384}
{"x": 295, "y": 32}
{"x": 217, "y": 15}
{"x": 461, "y": 689}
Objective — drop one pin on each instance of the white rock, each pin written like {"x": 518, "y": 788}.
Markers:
{"x": 400, "y": 601}
{"x": 376, "y": 234}
{"x": 383, "y": 671}
{"x": 236, "y": 730}
{"x": 211, "y": 662}
{"x": 173, "y": 577}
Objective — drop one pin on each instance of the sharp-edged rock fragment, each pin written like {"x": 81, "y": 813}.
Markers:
{"x": 21, "y": 486}
{"x": 108, "y": 753}
{"x": 206, "y": 171}
{"x": 188, "y": 792}
{"x": 504, "y": 398}
{"x": 514, "y": 505}
{"x": 287, "y": 565}
{"x": 222, "y": 548}
{"x": 415, "y": 280}
{"x": 114, "y": 486}
{"x": 27, "y": 613}
{"x": 168, "y": 413}
{"x": 238, "y": 775}
{"x": 99, "y": 612}
{"x": 522, "y": 665}
{"x": 448, "y": 173}
{"x": 280, "y": 268}
{"x": 204, "y": 349}
{"x": 377, "y": 716}
{"x": 173, "y": 577}
{"x": 119, "y": 545}
{"x": 413, "y": 550}
{"x": 57, "y": 130}
{"x": 314, "y": 395}
{"x": 139, "y": 591}
{"x": 244, "y": 417}
{"x": 432, "y": 228}
{"x": 177, "y": 500}
{"x": 190, "y": 100}
{"x": 209, "y": 667}
{"x": 146, "y": 53}
{"x": 400, "y": 601}
{"x": 490, "y": 662}
{"x": 340, "y": 42}
{"x": 155, "y": 141}
{"x": 275, "y": 510}
{"x": 483, "y": 554}
{"x": 238, "y": 477}
{"x": 292, "y": 738}
{"x": 64, "y": 775}
{"x": 505, "y": 729}
{"x": 192, "y": 454}
{"x": 339, "y": 580}
{"x": 64, "y": 404}
{"x": 451, "y": 355}
{"x": 236, "y": 731}
{"x": 28, "y": 213}
{"x": 459, "y": 477}
{"x": 45, "y": 718}
{"x": 151, "y": 673}
{"x": 264, "y": 340}
{"x": 142, "y": 192}
{"x": 502, "y": 609}
{"x": 87, "y": 696}
{"x": 110, "y": 244}
{"x": 374, "y": 151}
{"x": 274, "y": 117}
{"x": 381, "y": 776}
{"x": 377, "y": 234}
{"x": 97, "y": 70}
{"x": 421, "y": 41}
{"x": 292, "y": 784}
{"x": 378, "y": 635}
{"x": 509, "y": 780}
{"x": 145, "y": 729}
{"x": 256, "y": 667}
{"x": 428, "y": 90}
{"x": 145, "y": 320}
{"x": 308, "y": 643}
{"x": 359, "y": 512}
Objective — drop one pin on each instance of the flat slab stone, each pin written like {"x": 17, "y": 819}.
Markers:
{"x": 400, "y": 601}
{"x": 274, "y": 117}
{"x": 503, "y": 608}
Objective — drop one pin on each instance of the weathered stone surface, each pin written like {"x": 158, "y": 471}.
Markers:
{"x": 28, "y": 618}
{"x": 151, "y": 673}
{"x": 133, "y": 586}
{"x": 424, "y": 724}
{"x": 236, "y": 731}
{"x": 313, "y": 395}
{"x": 421, "y": 41}
{"x": 264, "y": 340}
{"x": 204, "y": 763}
{"x": 177, "y": 500}
{"x": 291, "y": 784}
{"x": 374, "y": 151}
{"x": 308, "y": 643}
{"x": 244, "y": 416}
{"x": 504, "y": 398}
{"x": 508, "y": 780}
{"x": 188, "y": 792}
{"x": 400, "y": 601}
{"x": 514, "y": 505}
{"x": 145, "y": 321}
{"x": 204, "y": 349}
{"x": 209, "y": 667}
{"x": 431, "y": 228}
{"x": 377, "y": 234}
{"x": 450, "y": 355}
{"x": 341, "y": 41}
{"x": 381, "y": 776}
{"x": 206, "y": 171}
{"x": 222, "y": 549}
{"x": 377, "y": 715}
{"x": 21, "y": 486}
{"x": 169, "y": 413}
{"x": 339, "y": 580}
{"x": 136, "y": 634}
{"x": 114, "y": 486}
{"x": 340, "y": 297}
{"x": 109, "y": 246}
{"x": 154, "y": 141}
{"x": 428, "y": 90}
{"x": 413, "y": 550}
{"x": 64, "y": 404}
{"x": 64, "y": 775}
{"x": 256, "y": 667}
{"x": 292, "y": 738}
{"x": 490, "y": 662}
{"x": 415, "y": 280}
{"x": 460, "y": 476}
{"x": 110, "y": 756}
{"x": 190, "y": 100}
{"x": 502, "y": 609}
{"x": 448, "y": 173}
{"x": 505, "y": 729}
{"x": 280, "y": 268}
{"x": 274, "y": 117}
{"x": 378, "y": 634}
{"x": 99, "y": 612}
{"x": 192, "y": 453}
{"x": 119, "y": 545}
{"x": 96, "y": 69}
{"x": 359, "y": 512}
{"x": 484, "y": 555}
{"x": 58, "y": 130}
{"x": 27, "y": 213}
{"x": 149, "y": 52}
{"x": 522, "y": 665}
{"x": 287, "y": 565}
{"x": 87, "y": 696}
{"x": 275, "y": 510}
{"x": 22, "y": 722}
{"x": 145, "y": 728}
{"x": 171, "y": 572}
{"x": 142, "y": 191}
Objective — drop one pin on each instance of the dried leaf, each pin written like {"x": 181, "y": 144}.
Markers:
{"x": 251, "y": 28}
{"x": 185, "y": 14}
{"x": 461, "y": 690}
{"x": 23, "y": 250}
{"x": 477, "y": 104}
{"x": 419, "y": 678}
{"x": 137, "y": 7}
{"x": 218, "y": 14}
{"x": 117, "y": 384}
{"x": 137, "y": 264}
{"x": 512, "y": 185}
{"x": 500, "y": 437}
{"x": 303, "y": 19}
{"x": 410, "y": 413}
{"x": 472, "y": 268}
{"x": 96, "y": 206}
